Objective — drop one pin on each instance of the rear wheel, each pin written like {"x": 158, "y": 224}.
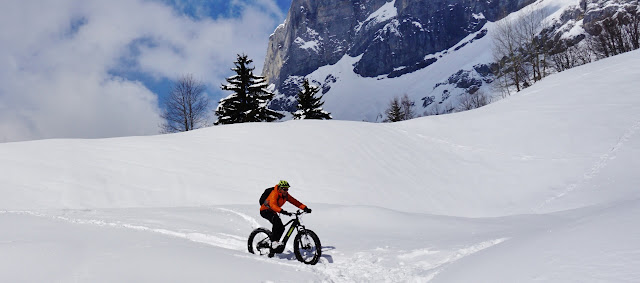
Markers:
{"x": 307, "y": 247}
{"x": 259, "y": 242}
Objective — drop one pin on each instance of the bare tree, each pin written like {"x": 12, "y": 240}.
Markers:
{"x": 520, "y": 50}
{"x": 527, "y": 30}
{"x": 502, "y": 82}
{"x": 470, "y": 101}
{"x": 571, "y": 56}
{"x": 436, "y": 109}
{"x": 633, "y": 27}
{"x": 616, "y": 34}
{"x": 506, "y": 51}
{"x": 407, "y": 105}
{"x": 186, "y": 107}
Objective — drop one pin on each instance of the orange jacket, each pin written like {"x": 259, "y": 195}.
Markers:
{"x": 276, "y": 200}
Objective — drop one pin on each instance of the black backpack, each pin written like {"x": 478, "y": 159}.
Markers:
{"x": 265, "y": 195}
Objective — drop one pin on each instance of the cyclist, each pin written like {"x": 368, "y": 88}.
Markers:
{"x": 273, "y": 205}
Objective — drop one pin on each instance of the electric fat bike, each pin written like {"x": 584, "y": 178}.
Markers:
{"x": 306, "y": 244}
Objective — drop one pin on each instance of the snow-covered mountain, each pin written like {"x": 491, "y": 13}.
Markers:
{"x": 364, "y": 53}
{"x": 540, "y": 186}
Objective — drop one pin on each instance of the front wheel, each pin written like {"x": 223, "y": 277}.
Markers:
{"x": 307, "y": 247}
{"x": 259, "y": 241}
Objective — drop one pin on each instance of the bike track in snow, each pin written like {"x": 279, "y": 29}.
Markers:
{"x": 221, "y": 240}
{"x": 389, "y": 265}
{"x": 596, "y": 168}
{"x": 376, "y": 265}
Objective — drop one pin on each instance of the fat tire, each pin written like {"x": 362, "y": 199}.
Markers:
{"x": 252, "y": 236}
{"x": 297, "y": 244}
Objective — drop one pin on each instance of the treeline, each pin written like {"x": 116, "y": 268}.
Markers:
{"x": 187, "y": 106}
{"x": 525, "y": 51}
{"x": 524, "y": 56}
{"x": 616, "y": 34}
{"x": 402, "y": 108}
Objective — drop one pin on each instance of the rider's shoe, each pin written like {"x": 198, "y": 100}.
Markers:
{"x": 276, "y": 245}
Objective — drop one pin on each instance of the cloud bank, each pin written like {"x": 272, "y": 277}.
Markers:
{"x": 62, "y": 62}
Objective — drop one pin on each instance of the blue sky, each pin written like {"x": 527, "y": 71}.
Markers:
{"x": 100, "y": 68}
{"x": 217, "y": 8}
{"x": 199, "y": 10}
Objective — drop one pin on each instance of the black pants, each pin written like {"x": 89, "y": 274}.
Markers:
{"x": 273, "y": 217}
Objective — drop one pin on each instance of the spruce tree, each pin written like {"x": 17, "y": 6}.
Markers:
{"x": 310, "y": 106}
{"x": 249, "y": 100}
{"x": 394, "y": 112}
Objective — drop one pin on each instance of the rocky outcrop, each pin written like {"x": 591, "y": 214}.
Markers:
{"x": 392, "y": 38}
{"x": 316, "y": 33}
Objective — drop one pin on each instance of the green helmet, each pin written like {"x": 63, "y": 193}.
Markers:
{"x": 283, "y": 184}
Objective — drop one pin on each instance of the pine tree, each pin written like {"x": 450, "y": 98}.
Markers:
{"x": 394, "y": 112}
{"x": 249, "y": 100}
{"x": 309, "y": 106}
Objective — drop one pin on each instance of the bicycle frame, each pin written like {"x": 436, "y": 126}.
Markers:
{"x": 295, "y": 225}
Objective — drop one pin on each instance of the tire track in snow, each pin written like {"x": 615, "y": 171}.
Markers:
{"x": 475, "y": 149}
{"x": 382, "y": 265}
{"x": 438, "y": 267}
{"x": 253, "y": 221}
{"x": 597, "y": 167}
{"x": 220, "y": 240}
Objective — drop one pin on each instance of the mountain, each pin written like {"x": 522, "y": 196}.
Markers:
{"x": 363, "y": 53}
{"x": 388, "y": 35}
{"x": 388, "y": 38}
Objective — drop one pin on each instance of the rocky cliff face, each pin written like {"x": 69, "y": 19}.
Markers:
{"x": 393, "y": 38}
{"x": 595, "y": 11}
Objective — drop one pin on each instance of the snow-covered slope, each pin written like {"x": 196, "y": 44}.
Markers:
{"x": 519, "y": 155}
{"x": 556, "y": 167}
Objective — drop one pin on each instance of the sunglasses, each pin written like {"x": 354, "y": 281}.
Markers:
{"x": 285, "y": 189}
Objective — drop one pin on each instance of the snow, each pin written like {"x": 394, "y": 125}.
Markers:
{"x": 418, "y": 25}
{"x": 358, "y": 98}
{"x": 387, "y": 12}
{"x": 313, "y": 44}
{"x": 391, "y": 28}
{"x": 279, "y": 27}
{"x": 573, "y": 29}
{"x": 540, "y": 186}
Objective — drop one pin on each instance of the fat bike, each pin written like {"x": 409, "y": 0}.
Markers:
{"x": 306, "y": 245}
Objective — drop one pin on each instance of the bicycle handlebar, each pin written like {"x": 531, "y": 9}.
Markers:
{"x": 297, "y": 213}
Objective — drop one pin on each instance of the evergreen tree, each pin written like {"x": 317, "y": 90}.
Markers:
{"x": 249, "y": 100}
{"x": 310, "y": 106}
{"x": 394, "y": 112}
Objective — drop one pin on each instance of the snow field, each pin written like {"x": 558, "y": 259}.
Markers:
{"x": 541, "y": 186}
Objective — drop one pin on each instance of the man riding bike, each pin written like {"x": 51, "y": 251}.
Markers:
{"x": 273, "y": 205}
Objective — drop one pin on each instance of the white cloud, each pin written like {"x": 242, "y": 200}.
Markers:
{"x": 57, "y": 56}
